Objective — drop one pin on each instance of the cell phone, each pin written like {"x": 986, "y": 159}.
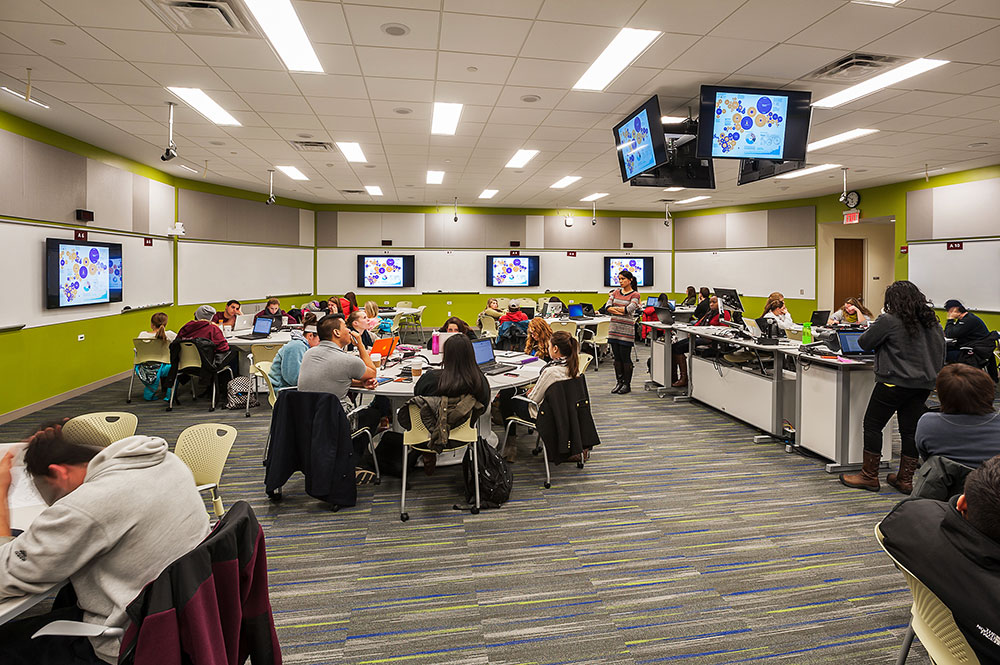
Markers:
{"x": 509, "y": 374}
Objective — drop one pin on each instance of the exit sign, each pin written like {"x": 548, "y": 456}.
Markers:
{"x": 852, "y": 216}
{"x": 956, "y": 245}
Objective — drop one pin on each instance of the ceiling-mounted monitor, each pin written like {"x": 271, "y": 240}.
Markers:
{"x": 683, "y": 167}
{"x": 752, "y": 170}
{"x": 639, "y": 140}
{"x": 753, "y": 123}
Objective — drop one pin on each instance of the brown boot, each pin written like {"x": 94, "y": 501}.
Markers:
{"x": 681, "y": 361}
{"x": 867, "y": 478}
{"x": 902, "y": 480}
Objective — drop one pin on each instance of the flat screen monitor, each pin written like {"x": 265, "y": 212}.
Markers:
{"x": 82, "y": 273}
{"x": 641, "y": 268}
{"x": 383, "y": 271}
{"x": 683, "y": 167}
{"x": 752, "y": 170}
{"x": 729, "y": 300}
{"x": 653, "y": 301}
{"x": 511, "y": 271}
{"x": 639, "y": 140}
{"x": 753, "y": 123}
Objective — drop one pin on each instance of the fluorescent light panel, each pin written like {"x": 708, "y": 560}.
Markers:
{"x": 292, "y": 172}
{"x": 205, "y": 105}
{"x": 694, "y": 199}
{"x": 278, "y": 20}
{"x": 187, "y": 168}
{"x": 809, "y": 171}
{"x": 627, "y": 45}
{"x": 488, "y": 193}
{"x": 564, "y": 182}
{"x": 891, "y": 77}
{"x": 445, "y": 120}
{"x": 840, "y": 138}
{"x": 520, "y": 158}
{"x": 374, "y": 190}
{"x": 672, "y": 119}
{"x": 352, "y": 151}
{"x": 674, "y": 189}
{"x": 17, "y": 94}
{"x": 435, "y": 177}
{"x": 594, "y": 197}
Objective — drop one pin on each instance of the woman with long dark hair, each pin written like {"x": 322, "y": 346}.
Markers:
{"x": 624, "y": 306}
{"x": 909, "y": 352}
{"x": 691, "y": 298}
{"x": 459, "y": 374}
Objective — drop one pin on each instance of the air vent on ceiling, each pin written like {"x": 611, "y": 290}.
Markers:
{"x": 854, "y": 67}
{"x": 353, "y": 191}
{"x": 203, "y": 17}
{"x": 312, "y": 146}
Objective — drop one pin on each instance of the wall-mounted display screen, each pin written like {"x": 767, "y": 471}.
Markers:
{"x": 640, "y": 141}
{"x": 641, "y": 268}
{"x": 385, "y": 272}
{"x": 511, "y": 271}
{"x": 738, "y": 123}
{"x": 82, "y": 273}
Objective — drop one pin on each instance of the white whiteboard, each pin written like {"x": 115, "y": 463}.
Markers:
{"x": 752, "y": 272}
{"x": 971, "y": 274}
{"x": 147, "y": 274}
{"x": 465, "y": 270}
{"x": 215, "y": 272}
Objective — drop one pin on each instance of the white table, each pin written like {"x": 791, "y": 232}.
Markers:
{"x": 279, "y": 338}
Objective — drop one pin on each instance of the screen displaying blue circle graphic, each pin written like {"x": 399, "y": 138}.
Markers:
{"x": 509, "y": 272}
{"x": 382, "y": 271}
{"x": 750, "y": 126}
{"x": 636, "y": 145}
{"x": 634, "y": 266}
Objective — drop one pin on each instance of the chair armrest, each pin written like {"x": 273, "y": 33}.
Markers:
{"x": 525, "y": 398}
{"x": 208, "y": 486}
{"x": 587, "y": 331}
{"x": 78, "y": 629}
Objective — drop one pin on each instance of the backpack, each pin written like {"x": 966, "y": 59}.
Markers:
{"x": 236, "y": 393}
{"x": 495, "y": 477}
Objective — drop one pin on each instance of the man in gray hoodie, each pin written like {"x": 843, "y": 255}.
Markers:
{"x": 117, "y": 517}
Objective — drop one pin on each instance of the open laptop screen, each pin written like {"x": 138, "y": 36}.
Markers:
{"x": 576, "y": 310}
{"x": 849, "y": 343}
{"x": 483, "y": 349}
{"x": 262, "y": 326}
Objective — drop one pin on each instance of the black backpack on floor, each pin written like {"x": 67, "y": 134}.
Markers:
{"x": 495, "y": 477}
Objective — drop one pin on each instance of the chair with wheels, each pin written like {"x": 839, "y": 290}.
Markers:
{"x": 513, "y": 421}
{"x": 417, "y": 438}
{"x": 100, "y": 429}
{"x": 367, "y": 434}
{"x": 585, "y": 359}
{"x": 259, "y": 354}
{"x": 148, "y": 351}
{"x": 598, "y": 338}
{"x": 205, "y": 449}
{"x": 190, "y": 363}
{"x": 488, "y": 327}
{"x": 416, "y": 322}
{"x": 568, "y": 326}
{"x": 404, "y": 303}
{"x": 503, "y": 304}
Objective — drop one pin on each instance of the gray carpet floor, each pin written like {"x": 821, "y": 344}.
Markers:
{"x": 681, "y": 540}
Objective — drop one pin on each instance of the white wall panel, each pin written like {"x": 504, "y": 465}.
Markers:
{"x": 213, "y": 272}
{"x": 752, "y": 272}
{"x": 969, "y": 274}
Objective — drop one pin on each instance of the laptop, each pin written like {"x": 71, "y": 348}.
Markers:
{"x": 243, "y": 321}
{"x": 794, "y": 335}
{"x": 652, "y": 301}
{"x": 261, "y": 329}
{"x": 576, "y": 313}
{"x": 753, "y": 329}
{"x": 820, "y": 317}
{"x": 663, "y": 314}
{"x": 483, "y": 348}
{"x": 849, "y": 347}
{"x": 588, "y": 309}
{"x": 385, "y": 346}
{"x": 672, "y": 303}
{"x": 529, "y": 311}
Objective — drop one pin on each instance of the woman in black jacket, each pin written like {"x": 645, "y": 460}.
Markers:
{"x": 909, "y": 352}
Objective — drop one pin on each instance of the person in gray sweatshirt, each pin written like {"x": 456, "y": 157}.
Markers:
{"x": 909, "y": 351}
{"x": 117, "y": 517}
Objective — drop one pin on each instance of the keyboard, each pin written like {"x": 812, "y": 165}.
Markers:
{"x": 254, "y": 336}
{"x": 581, "y": 318}
{"x": 498, "y": 368}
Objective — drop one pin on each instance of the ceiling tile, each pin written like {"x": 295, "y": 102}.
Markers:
{"x": 75, "y": 42}
{"x": 790, "y": 61}
{"x": 331, "y": 85}
{"x": 853, "y": 25}
{"x": 184, "y": 76}
{"x": 106, "y": 71}
{"x": 401, "y": 89}
{"x": 775, "y": 20}
{"x": 139, "y": 94}
{"x": 911, "y": 102}
{"x": 525, "y": 116}
{"x": 113, "y": 111}
{"x": 566, "y": 41}
{"x": 973, "y": 8}
{"x": 138, "y": 46}
{"x": 592, "y": 12}
{"x": 579, "y": 100}
{"x": 347, "y": 123}
{"x": 546, "y": 73}
{"x": 336, "y": 59}
{"x": 573, "y": 119}
{"x": 695, "y": 18}
{"x": 42, "y": 69}
{"x": 981, "y": 49}
{"x": 323, "y": 22}
{"x": 233, "y": 52}
{"x": 489, "y": 68}
{"x": 75, "y": 92}
{"x": 365, "y": 23}
{"x": 263, "y": 103}
{"x": 360, "y": 108}
{"x": 507, "y": 131}
{"x": 557, "y": 134}
{"x": 418, "y": 111}
{"x": 8, "y": 45}
{"x": 547, "y": 97}
{"x": 959, "y": 78}
{"x": 674, "y": 83}
{"x": 32, "y": 12}
{"x": 489, "y": 35}
{"x": 397, "y": 63}
{"x": 107, "y": 14}
{"x": 256, "y": 80}
{"x": 466, "y": 93}
{"x": 930, "y": 34}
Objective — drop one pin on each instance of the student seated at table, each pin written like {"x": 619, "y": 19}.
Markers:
{"x": 492, "y": 309}
{"x": 457, "y": 325}
{"x": 964, "y": 327}
{"x": 852, "y": 311}
{"x": 272, "y": 311}
{"x": 375, "y": 322}
{"x": 358, "y": 322}
{"x": 151, "y": 376}
{"x": 539, "y": 335}
{"x": 228, "y": 316}
{"x": 777, "y": 311}
{"x": 202, "y": 327}
{"x": 564, "y": 363}
{"x": 285, "y": 367}
{"x": 691, "y": 299}
{"x": 703, "y": 297}
{"x": 951, "y": 547}
{"x": 349, "y": 303}
{"x": 681, "y": 348}
{"x": 967, "y": 429}
{"x": 514, "y": 314}
{"x": 117, "y": 517}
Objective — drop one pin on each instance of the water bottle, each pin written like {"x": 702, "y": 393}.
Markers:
{"x": 807, "y": 336}
{"x": 435, "y": 343}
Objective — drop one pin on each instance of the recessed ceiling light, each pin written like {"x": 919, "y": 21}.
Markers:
{"x": 564, "y": 182}
{"x": 840, "y": 138}
{"x": 627, "y": 45}
{"x": 530, "y": 99}
{"x": 403, "y": 110}
{"x": 445, "y": 120}
{"x": 673, "y": 189}
{"x": 370, "y": 166}
{"x": 352, "y": 151}
{"x": 373, "y": 190}
{"x": 187, "y": 168}
{"x": 891, "y": 77}
{"x": 809, "y": 171}
{"x": 488, "y": 193}
{"x": 304, "y": 136}
{"x": 17, "y": 94}
{"x": 472, "y": 69}
{"x": 672, "y": 119}
{"x": 435, "y": 177}
{"x": 877, "y": 3}
{"x": 217, "y": 143}
{"x": 57, "y": 42}
{"x": 205, "y": 105}
{"x": 694, "y": 199}
{"x": 594, "y": 197}
{"x": 520, "y": 158}
{"x": 278, "y": 20}
{"x": 395, "y": 29}
{"x": 292, "y": 172}
{"x": 980, "y": 144}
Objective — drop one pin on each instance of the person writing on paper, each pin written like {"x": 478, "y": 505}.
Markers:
{"x": 909, "y": 352}
{"x": 624, "y": 306}
{"x": 117, "y": 517}
{"x": 284, "y": 372}
{"x": 777, "y": 311}
{"x": 150, "y": 373}
{"x": 964, "y": 327}
{"x": 227, "y": 317}
{"x": 851, "y": 312}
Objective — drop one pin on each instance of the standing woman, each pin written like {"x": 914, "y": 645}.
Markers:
{"x": 623, "y": 305}
{"x": 909, "y": 352}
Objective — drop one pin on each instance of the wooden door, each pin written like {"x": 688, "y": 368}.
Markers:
{"x": 848, "y": 270}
